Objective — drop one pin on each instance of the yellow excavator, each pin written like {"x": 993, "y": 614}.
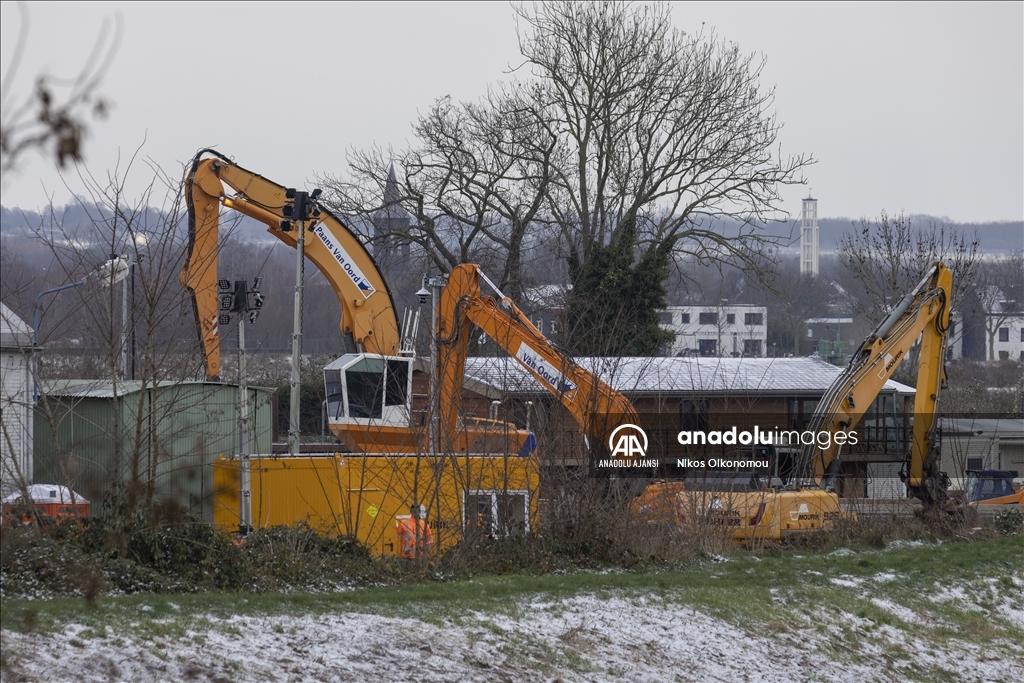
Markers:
{"x": 808, "y": 501}
{"x": 369, "y": 393}
{"x": 368, "y": 311}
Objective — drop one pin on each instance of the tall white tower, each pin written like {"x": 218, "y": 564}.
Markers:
{"x": 809, "y": 237}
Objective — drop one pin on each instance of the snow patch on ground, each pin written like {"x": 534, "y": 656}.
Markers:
{"x": 582, "y": 638}
{"x": 949, "y": 594}
{"x": 899, "y": 611}
{"x": 587, "y": 639}
{"x": 1012, "y": 612}
{"x": 847, "y": 581}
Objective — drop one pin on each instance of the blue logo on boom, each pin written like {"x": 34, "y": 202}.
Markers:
{"x": 544, "y": 370}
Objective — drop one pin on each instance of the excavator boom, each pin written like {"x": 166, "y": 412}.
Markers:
{"x": 922, "y": 314}
{"x": 368, "y": 312}
{"x": 596, "y": 406}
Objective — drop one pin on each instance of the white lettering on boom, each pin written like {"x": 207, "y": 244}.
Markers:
{"x": 344, "y": 260}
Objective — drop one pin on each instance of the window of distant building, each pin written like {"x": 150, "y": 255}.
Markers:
{"x": 666, "y": 318}
{"x": 751, "y": 347}
{"x": 1004, "y": 334}
{"x": 730, "y": 318}
{"x": 1004, "y": 355}
{"x": 708, "y": 318}
{"x": 685, "y": 318}
{"x": 753, "y": 319}
{"x": 1022, "y": 334}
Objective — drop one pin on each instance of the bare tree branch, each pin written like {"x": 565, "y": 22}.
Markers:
{"x": 55, "y": 114}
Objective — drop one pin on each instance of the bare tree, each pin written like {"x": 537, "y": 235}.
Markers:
{"x": 1000, "y": 291}
{"x": 472, "y": 187}
{"x": 619, "y": 117}
{"x": 791, "y": 297}
{"x": 653, "y": 124}
{"x": 887, "y": 257}
{"x": 54, "y": 116}
{"x": 135, "y": 340}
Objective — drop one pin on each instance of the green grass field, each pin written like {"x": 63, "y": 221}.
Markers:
{"x": 916, "y": 580}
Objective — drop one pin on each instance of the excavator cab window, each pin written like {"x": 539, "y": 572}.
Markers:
{"x": 335, "y": 395}
{"x": 368, "y": 387}
{"x": 397, "y": 389}
{"x": 986, "y": 484}
{"x": 365, "y": 384}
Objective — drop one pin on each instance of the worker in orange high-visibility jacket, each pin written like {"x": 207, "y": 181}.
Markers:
{"x": 414, "y": 533}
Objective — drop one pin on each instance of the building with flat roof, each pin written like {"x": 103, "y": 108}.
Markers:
{"x": 704, "y": 392}
{"x": 988, "y": 443}
{"x": 718, "y": 331}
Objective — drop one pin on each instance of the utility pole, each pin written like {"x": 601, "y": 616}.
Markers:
{"x": 432, "y": 287}
{"x": 245, "y": 485}
{"x": 246, "y": 303}
{"x": 301, "y": 207}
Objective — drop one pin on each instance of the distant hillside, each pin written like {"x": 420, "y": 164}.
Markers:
{"x": 78, "y": 219}
{"x": 993, "y": 238}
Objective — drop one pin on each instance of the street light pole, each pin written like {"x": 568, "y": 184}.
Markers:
{"x": 124, "y": 316}
{"x": 107, "y": 274}
{"x": 36, "y": 319}
{"x": 301, "y": 210}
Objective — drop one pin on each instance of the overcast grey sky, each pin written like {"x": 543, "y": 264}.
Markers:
{"x": 916, "y": 107}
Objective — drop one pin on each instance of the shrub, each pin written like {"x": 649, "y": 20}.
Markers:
{"x": 1009, "y": 522}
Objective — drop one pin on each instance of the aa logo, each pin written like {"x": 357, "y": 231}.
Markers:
{"x": 628, "y": 441}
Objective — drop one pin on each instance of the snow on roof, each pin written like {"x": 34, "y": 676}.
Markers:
{"x": 986, "y": 428}
{"x": 47, "y": 493}
{"x": 679, "y": 375}
{"x": 546, "y": 296}
{"x": 15, "y": 333}
{"x": 104, "y": 388}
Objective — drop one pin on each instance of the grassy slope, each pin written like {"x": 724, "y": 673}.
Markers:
{"x": 777, "y": 595}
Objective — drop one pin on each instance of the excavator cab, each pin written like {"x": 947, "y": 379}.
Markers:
{"x": 367, "y": 388}
{"x": 992, "y": 487}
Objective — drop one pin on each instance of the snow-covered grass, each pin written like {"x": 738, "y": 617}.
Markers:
{"x": 938, "y": 612}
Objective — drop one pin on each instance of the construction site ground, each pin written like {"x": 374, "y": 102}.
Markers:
{"x": 909, "y": 611}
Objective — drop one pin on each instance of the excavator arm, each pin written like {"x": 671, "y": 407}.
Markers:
{"x": 367, "y": 309}
{"x": 596, "y": 406}
{"x": 923, "y": 313}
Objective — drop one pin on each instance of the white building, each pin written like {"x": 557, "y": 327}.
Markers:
{"x": 809, "y": 237}
{"x": 1006, "y": 333}
{"x": 981, "y": 444}
{"x": 717, "y": 331}
{"x": 15, "y": 401}
{"x": 955, "y": 340}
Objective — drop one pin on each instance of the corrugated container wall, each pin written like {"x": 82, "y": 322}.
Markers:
{"x": 154, "y": 444}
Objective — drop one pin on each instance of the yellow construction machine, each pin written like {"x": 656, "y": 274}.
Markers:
{"x": 756, "y": 508}
{"x": 456, "y": 465}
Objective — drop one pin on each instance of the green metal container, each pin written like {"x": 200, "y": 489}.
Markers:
{"x": 153, "y": 444}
